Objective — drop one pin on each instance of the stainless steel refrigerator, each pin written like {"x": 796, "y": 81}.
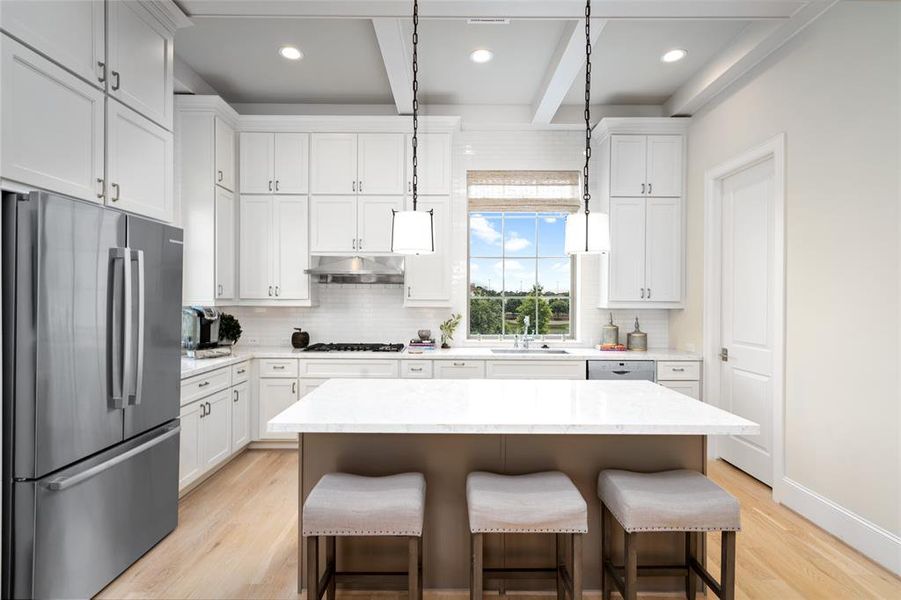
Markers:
{"x": 91, "y": 309}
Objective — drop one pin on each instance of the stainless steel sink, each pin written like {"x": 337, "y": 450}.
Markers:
{"x": 528, "y": 351}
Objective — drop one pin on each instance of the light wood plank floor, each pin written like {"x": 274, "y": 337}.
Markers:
{"x": 237, "y": 538}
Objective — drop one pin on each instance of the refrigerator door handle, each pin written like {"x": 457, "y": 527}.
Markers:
{"x": 137, "y": 256}
{"x": 62, "y": 483}
{"x": 120, "y": 333}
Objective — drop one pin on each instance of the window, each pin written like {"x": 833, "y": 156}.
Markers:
{"x": 518, "y": 270}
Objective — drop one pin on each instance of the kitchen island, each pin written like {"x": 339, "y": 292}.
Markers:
{"x": 448, "y": 428}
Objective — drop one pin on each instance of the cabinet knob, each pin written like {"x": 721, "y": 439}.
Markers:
{"x": 409, "y": 291}
{"x": 359, "y": 243}
{"x": 293, "y": 387}
{"x": 459, "y": 364}
{"x": 102, "y": 66}
{"x": 276, "y": 290}
{"x": 642, "y": 293}
{"x": 650, "y": 187}
{"x": 218, "y": 175}
{"x": 649, "y": 293}
{"x": 115, "y": 197}
{"x": 116, "y": 77}
{"x": 100, "y": 182}
{"x": 353, "y": 186}
{"x": 360, "y": 186}
{"x": 642, "y": 188}
{"x": 235, "y": 399}
{"x": 276, "y": 185}
{"x": 270, "y": 290}
{"x": 270, "y": 185}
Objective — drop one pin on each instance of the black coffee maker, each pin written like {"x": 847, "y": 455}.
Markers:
{"x": 202, "y": 327}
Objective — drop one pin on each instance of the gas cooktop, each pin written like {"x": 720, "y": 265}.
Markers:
{"x": 355, "y": 348}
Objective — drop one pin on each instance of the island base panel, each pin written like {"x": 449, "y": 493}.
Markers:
{"x": 446, "y": 460}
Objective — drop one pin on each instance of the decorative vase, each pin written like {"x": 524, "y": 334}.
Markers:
{"x": 300, "y": 339}
{"x": 424, "y": 334}
{"x": 444, "y": 343}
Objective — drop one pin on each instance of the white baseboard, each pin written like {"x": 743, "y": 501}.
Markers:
{"x": 880, "y": 545}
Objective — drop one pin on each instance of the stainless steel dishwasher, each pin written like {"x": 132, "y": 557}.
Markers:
{"x": 612, "y": 370}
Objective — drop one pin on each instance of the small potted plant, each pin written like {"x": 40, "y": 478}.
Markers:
{"x": 448, "y": 328}
{"x": 229, "y": 330}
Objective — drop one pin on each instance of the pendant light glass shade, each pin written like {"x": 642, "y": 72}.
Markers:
{"x": 598, "y": 231}
{"x": 412, "y": 232}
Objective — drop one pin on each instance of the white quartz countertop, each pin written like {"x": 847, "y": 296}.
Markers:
{"x": 190, "y": 367}
{"x": 486, "y": 406}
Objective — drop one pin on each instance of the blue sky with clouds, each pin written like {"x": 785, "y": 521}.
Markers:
{"x": 512, "y": 249}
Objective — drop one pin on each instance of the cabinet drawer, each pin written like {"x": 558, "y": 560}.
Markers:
{"x": 199, "y": 386}
{"x": 678, "y": 371}
{"x": 691, "y": 389}
{"x": 535, "y": 369}
{"x": 327, "y": 368}
{"x": 416, "y": 369}
{"x": 459, "y": 369}
{"x": 240, "y": 372}
{"x": 278, "y": 367}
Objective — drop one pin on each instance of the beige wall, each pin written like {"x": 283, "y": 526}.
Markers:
{"x": 834, "y": 91}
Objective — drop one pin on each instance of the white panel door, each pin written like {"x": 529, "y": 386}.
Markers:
{"x": 139, "y": 164}
{"x": 71, "y": 32}
{"x": 140, "y": 61}
{"x": 747, "y": 315}
{"x": 427, "y": 277}
{"x": 333, "y": 163}
{"x": 240, "y": 415}
{"x": 52, "y": 125}
{"x": 663, "y": 250}
{"x": 627, "y": 249}
{"x": 256, "y": 247}
{"x": 291, "y": 162}
{"x": 190, "y": 459}
{"x": 628, "y": 165}
{"x": 333, "y": 224}
{"x": 257, "y": 163}
{"x": 374, "y": 222}
{"x": 433, "y": 172}
{"x": 225, "y": 244}
{"x": 664, "y": 165}
{"x": 225, "y": 154}
{"x": 292, "y": 252}
{"x": 216, "y": 428}
{"x": 275, "y": 396}
{"x": 380, "y": 163}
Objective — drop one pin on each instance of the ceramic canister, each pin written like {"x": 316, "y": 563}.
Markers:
{"x": 610, "y": 333}
{"x": 637, "y": 340}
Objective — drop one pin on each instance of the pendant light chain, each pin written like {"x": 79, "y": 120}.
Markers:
{"x": 586, "y": 195}
{"x": 415, "y": 99}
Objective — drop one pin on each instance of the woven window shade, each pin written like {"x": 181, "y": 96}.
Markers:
{"x": 523, "y": 191}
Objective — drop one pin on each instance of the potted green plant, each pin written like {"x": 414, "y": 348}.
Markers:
{"x": 448, "y": 328}
{"x": 229, "y": 329}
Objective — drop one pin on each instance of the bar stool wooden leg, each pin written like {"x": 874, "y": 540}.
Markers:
{"x": 412, "y": 568}
{"x": 576, "y": 571}
{"x": 605, "y": 551}
{"x": 691, "y": 580}
{"x": 727, "y": 573}
{"x": 631, "y": 575}
{"x": 313, "y": 568}
{"x": 561, "y": 564}
{"x": 419, "y": 566}
{"x": 475, "y": 583}
{"x": 331, "y": 566}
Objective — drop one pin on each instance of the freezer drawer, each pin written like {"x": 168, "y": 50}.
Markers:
{"x": 76, "y": 530}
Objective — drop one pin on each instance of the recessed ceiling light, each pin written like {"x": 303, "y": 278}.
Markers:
{"x": 481, "y": 55}
{"x": 290, "y": 52}
{"x": 674, "y": 55}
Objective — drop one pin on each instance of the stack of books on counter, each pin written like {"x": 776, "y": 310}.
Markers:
{"x": 418, "y": 346}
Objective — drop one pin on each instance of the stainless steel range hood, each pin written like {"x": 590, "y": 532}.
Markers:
{"x": 357, "y": 269}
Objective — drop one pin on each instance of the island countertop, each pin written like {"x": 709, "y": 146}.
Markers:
{"x": 497, "y": 406}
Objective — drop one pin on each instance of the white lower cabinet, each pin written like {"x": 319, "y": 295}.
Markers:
{"x": 240, "y": 415}
{"x": 215, "y": 429}
{"x": 459, "y": 369}
{"x": 276, "y": 394}
{"x": 190, "y": 459}
{"x": 691, "y": 389}
{"x": 535, "y": 369}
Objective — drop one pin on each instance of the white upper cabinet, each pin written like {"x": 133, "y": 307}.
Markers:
{"x": 380, "y": 163}
{"x": 52, "y": 125}
{"x": 427, "y": 277}
{"x": 628, "y": 165}
{"x": 333, "y": 163}
{"x": 333, "y": 224}
{"x": 627, "y": 249}
{"x": 433, "y": 171}
{"x": 225, "y": 244}
{"x": 257, "y": 150}
{"x": 69, "y": 31}
{"x": 139, "y": 164}
{"x": 291, "y": 247}
{"x": 663, "y": 255}
{"x": 664, "y": 166}
{"x": 374, "y": 219}
{"x": 291, "y": 162}
{"x": 255, "y": 248}
{"x": 140, "y": 60}
{"x": 225, "y": 154}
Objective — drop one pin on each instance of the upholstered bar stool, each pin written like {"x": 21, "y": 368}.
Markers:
{"x": 343, "y": 505}
{"x": 676, "y": 501}
{"x": 535, "y": 503}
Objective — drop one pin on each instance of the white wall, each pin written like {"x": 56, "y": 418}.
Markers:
{"x": 376, "y": 313}
{"x": 834, "y": 91}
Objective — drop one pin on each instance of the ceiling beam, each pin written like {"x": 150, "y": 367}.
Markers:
{"x": 568, "y": 60}
{"x": 398, "y": 63}
{"x": 756, "y": 41}
{"x": 535, "y": 9}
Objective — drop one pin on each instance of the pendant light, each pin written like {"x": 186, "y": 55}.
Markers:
{"x": 587, "y": 232}
{"x": 413, "y": 231}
